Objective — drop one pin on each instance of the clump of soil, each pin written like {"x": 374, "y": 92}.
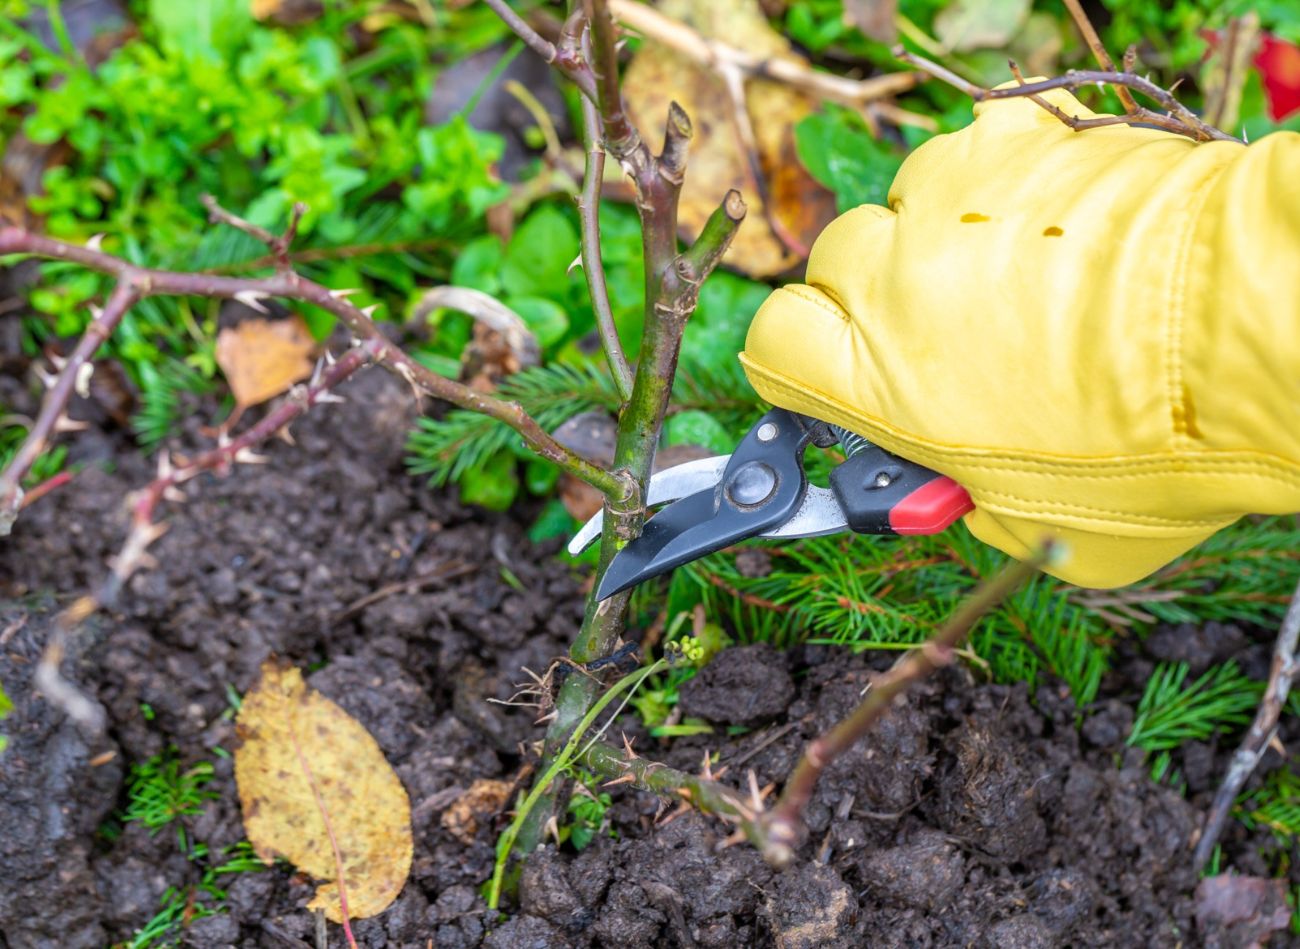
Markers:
{"x": 975, "y": 815}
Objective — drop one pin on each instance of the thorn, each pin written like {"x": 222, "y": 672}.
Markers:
{"x": 66, "y": 424}
{"x": 756, "y": 798}
{"x": 96, "y": 243}
{"x": 46, "y": 379}
{"x": 247, "y": 456}
{"x": 341, "y": 294}
{"x": 57, "y": 361}
{"x": 329, "y": 358}
{"x": 706, "y": 770}
{"x": 628, "y": 778}
{"x": 252, "y": 299}
{"x": 174, "y": 494}
{"x": 627, "y": 747}
{"x": 165, "y": 469}
{"x": 577, "y": 262}
{"x": 735, "y": 837}
{"x": 1276, "y": 744}
{"x": 285, "y": 436}
{"x": 82, "y": 383}
{"x": 369, "y": 311}
{"x": 325, "y": 398}
{"x": 552, "y": 829}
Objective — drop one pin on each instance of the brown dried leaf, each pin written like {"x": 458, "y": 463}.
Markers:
{"x": 718, "y": 160}
{"x": 297, "y": 745}
{"x": 261, "y": 358}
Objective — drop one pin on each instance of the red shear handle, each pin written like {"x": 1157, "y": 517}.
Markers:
{"x": 931, "y": 508}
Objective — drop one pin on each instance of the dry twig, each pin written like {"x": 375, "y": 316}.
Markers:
{"x": 1263, "y": 731}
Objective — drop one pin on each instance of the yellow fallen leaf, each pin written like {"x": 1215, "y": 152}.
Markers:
{"x": 315, "y": 789}
{"x": 262, "y": 358}
{"x": 718, "y": 159}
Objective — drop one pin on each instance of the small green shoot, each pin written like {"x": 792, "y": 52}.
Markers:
{"x": 1172, "y": 712}
{"x": 159, "y": 793}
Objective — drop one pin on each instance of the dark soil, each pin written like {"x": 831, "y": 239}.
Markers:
{"x": 975, "y": 815}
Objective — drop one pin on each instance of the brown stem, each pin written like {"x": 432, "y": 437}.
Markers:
{"x": 784, "y": 822}
{"x": 287, "y": 284}
{"x": 593, "y": 267}
{"x": 278, "y": 244}
{"x": 1099, "y": 50}
{"x": 1179, "y": 119}
{"x": 1261, "y": 734}
{"x": 124, "y": 296}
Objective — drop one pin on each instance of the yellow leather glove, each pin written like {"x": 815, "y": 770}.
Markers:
{"x": 1097, "y": 333}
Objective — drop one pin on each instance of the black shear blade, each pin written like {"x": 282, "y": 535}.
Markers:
{"x": 761, "y": 487}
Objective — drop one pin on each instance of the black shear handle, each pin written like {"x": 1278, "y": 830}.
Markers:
{"x": 884, "y": 494}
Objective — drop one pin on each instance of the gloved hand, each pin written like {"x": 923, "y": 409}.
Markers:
{"x": 1097, "y": 333}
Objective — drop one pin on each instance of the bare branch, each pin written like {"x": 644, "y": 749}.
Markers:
{"x": 783, "y": 824}
{"x": 144, "y": 282}
{"x": 1262, "y": 732}
{"x": 123, "y": 297}
{"x": 1179, "y": 119}
{"x": 593, "y": 267}
{"x": 1099, "y": 51}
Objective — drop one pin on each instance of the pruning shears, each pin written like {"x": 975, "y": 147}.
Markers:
{"x": 761, "y": 490}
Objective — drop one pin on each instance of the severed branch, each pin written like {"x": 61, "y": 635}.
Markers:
{"x": 1178, "y": 118}
{"x": 783, "y": 824}
{"x": 1262, "y": 733}
{"x": 777, "y": 832}
{"x": 137, "y": 282}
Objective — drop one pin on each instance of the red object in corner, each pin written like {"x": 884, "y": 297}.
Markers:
{"x": 1278, "y": 63}
{"x": 931, "y": 508}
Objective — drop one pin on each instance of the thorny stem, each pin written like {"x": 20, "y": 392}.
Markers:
{"x": 593, "y": 267}
{"x": 133, "y": 553}
{"x": 671, "y": 291}
{"x": 710, "y": 796}
{"x": 74, "y": 375}
{"x": 1098, "y": 48}
{"x": 141, "y": 282}
{"x": 1178, "y": 119}
{"x": 1261, "y": 734}
{"x": 783, "y": 824}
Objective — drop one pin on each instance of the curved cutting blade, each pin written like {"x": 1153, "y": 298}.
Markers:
{"x": 667, "y": 485}
{"x": 769, "y": 459}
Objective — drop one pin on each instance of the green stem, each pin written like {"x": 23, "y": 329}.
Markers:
{"x": 568, "y": 754}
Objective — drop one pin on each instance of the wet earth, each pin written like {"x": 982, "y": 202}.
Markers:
{"x": 975, "y": 815}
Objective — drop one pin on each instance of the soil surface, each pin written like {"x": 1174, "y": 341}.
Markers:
{"x": 976, "y": 815}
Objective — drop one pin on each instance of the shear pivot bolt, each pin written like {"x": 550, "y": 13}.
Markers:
{"x": 752, "y": 484}
{"x": 882, "y": 480}
{"x": 766, "y": 432}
